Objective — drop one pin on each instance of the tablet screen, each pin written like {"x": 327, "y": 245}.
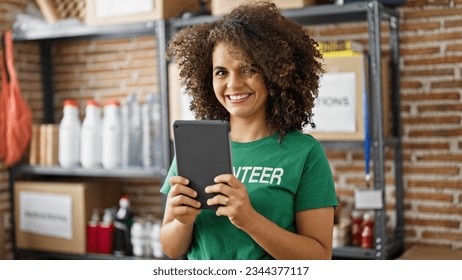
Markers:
{"x": 203, "y": 151}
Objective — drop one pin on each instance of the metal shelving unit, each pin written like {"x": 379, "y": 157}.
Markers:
{"x": 45, "y": 38}
{"x": 371, "y": 12}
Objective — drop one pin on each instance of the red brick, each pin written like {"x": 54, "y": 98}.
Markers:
{"x": 412, "y": 26}
{"x": 435, "y": 133}
{"x": 431, "y": 96}
{"x": 442, "y": 235}
{"x": 419, "y": 50}
{"x": 442, "y": 210}
{"x": 411, "y": 85}
{"x": 445, "y": 170}
{"x": 433, "y": 13}
{"x": 438, "y": 185}
{"x": 420, "y": 3}
{"x": 446, "y": 84}
{"x": 441, "y": 157}
{"x": 408, "y": 196}
{"x": 440, "y": 107}
{"x": 454, "y": 48}
{"x": 433, "y": 61}
{"x": 452, "y": 23}
{"x": 437, "y": 222}
{"x": 432, "y": 120}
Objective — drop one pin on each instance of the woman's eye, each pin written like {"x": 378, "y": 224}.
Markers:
{"x": 220, "y": 73}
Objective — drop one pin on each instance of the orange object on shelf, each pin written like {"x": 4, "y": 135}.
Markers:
{"x": 16, "y": 119}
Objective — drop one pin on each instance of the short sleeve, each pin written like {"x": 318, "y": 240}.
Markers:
{"x": 173, "y": 171}
{"x": 316, "y": 188}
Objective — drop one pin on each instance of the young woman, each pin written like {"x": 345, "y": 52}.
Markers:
{"x": 260, "y": 71}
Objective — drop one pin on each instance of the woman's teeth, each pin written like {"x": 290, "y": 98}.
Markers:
{"x": 238, "y": 97}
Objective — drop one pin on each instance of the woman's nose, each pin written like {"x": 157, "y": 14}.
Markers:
{"x": 235, "y": 81}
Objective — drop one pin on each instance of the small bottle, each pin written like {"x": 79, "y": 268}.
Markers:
{"x": 147, "y": 133}
{"x": 106, "y": 231}
{"x": 135, "y": 133}
{"x": 111, "y": 144}
{"x": 90, "y": 136}
{"x": 148, "y": 228}
{"x": 131, "y": 132}
{"x": 367, "y": 234}
{"x": 122, "y": 226}
{"x": 92, "y": 232}
{"x": 356, "y": 227}
{"x": 157, "y": 131}
{"x": 155, "y": 240}
{"x": 69, "y": 135}
{"x": 137, "y": 237}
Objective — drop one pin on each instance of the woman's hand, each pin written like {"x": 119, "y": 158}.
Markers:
{"x": 181, "y": 204}
{"x": 233, "y": 198}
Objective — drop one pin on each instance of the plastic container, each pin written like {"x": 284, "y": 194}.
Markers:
{"x": 111, "y": 136}
{"x": 131, "y": 132}
{"x": 122, "y": 229}
{"x": 155, "y": 240}
{"x": 152, "y": 132}
{"x": 90, "y": 136}
{"x": 69, "y": 135}
{"x": 367, "y": 234}
{"x": 92, "y": 232}
{"x": 105, "y": 232}
{"x": 356, "y": 227}
{"x": 138, "y": 237}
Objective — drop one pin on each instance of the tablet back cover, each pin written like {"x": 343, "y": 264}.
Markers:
{"x": 203, "y": 151}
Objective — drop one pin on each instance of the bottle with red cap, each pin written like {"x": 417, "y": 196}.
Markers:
{"x": 367, "y": 234}
{"x": 90, "y": 136}
{"x": 69, "y": 135}
{"x": 111, "y": 157}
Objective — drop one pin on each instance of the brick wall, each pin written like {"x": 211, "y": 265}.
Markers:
{"x": 431, "y": 88}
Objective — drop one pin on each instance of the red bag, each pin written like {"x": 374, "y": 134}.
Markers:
{"x": 17, "y": 118}
{"x": 3, "y": 108}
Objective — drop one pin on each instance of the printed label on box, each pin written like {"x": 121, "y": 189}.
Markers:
{"x": 114, "y": 8}
{"x": 335, "y": 107}
{"x": 46, "y": 214}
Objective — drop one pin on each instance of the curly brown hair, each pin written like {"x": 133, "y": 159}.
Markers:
{"x": 278, "y": 47}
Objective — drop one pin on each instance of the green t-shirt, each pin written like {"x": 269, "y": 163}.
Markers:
{"x": 281, "y": 179}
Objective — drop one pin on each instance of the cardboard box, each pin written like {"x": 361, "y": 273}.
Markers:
{"x": 52, "y": 216}
{"x": 125, "y": 11}
{"x": 339, "y": 111}
{"x": 220, "y": 7}
{"x": 431, "y": 252}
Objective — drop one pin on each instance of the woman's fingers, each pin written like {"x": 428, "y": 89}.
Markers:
{"x": 184, "y": 200}
{"x": 218, "y": 200}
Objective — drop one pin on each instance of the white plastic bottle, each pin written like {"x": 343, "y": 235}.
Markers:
{"x": 137, "y": 236}
{"x": 156, "y": 126}
{"x": 147, "y": 133}
{"x": 69, "y": 135}
{"x": 131, "y": 132}
{"x": 111, "y": 136}
{"x": 135, "y": 133}
{"x": 90, "y": 136}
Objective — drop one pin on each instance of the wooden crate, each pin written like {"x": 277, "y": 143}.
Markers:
{"x": 54, "y": 10}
